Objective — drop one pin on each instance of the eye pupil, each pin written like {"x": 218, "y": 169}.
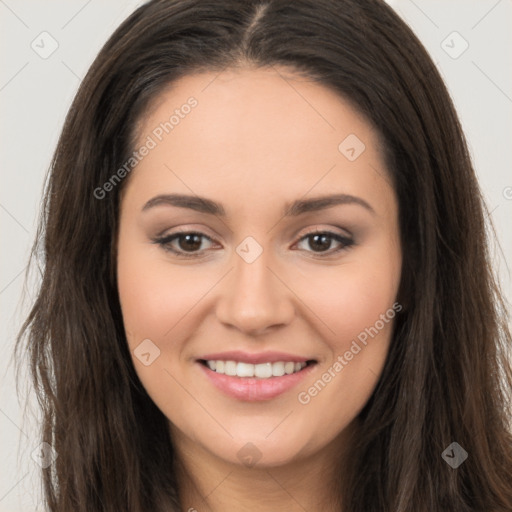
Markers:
{"x": 324, "y": 244}
{"x": 189, "y": 240}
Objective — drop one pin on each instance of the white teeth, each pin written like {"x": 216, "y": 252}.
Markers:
{"x": 261, "y": 371}
{"x": 245, "y": 370}
{"x": 278, "y": 369}
{"x": 289, "y": 367}
{"x": 230, "y": 368}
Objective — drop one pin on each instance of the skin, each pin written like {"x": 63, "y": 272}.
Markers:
{"x": 257, "y": 140}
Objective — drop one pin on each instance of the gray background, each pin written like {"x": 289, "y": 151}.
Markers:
{"x": 35, "y": 93}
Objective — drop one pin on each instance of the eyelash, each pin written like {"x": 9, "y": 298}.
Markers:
{"x": 165, "y": 242}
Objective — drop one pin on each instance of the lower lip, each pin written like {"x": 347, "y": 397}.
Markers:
{"x": 251, "y": 389}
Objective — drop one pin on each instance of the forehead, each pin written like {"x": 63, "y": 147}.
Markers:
{"x": 257, "y": 128}
{"x": 262, "y": 103}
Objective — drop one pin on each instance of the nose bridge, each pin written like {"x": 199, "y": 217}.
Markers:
{"x": 253, "y": 297}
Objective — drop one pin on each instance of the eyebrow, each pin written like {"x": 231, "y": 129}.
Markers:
{"x": 296, "y": 208}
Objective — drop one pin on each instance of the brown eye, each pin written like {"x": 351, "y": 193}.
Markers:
{"x": 321, "y": 241}
{"x": 187, "y": 244}
{"x": 190, "y": 242}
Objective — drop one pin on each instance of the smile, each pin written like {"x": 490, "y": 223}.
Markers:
{"x": 260, "y": 371}
{"x": 255, "y": 382}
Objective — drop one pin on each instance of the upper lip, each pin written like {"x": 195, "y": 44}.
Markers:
{"x": 260, "y": 357}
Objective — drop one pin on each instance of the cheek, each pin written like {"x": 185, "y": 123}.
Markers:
{"x": 351, "y": 300}
{"x": 153, "y": 301}
{"x": 359, "y": 307}
{"x": 356, "y": 305}
{"x": 154, "y": 295}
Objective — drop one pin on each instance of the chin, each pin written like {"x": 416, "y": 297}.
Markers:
{"x": 260, "y": 453}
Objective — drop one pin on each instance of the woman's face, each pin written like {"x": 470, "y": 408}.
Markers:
{"x": 251, "y": 286}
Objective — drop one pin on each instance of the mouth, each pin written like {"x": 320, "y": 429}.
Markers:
{"x": 265, "y": 370}
{"x": 255, "y": 382}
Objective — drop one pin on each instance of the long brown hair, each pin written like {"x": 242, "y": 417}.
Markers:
{"x": 446, "y": 378}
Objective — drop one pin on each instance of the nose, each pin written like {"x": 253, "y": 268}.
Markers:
{"x": 255, "y": 298}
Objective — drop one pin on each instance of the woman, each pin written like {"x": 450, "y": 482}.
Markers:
{"x": 339, "y": 344}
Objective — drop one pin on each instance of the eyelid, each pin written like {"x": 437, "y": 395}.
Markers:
{"x": 347, "y": 241}
{"x": 311, "y": 231}
{"x": 180, "y": 229}
{"x": 317, "y": 228}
